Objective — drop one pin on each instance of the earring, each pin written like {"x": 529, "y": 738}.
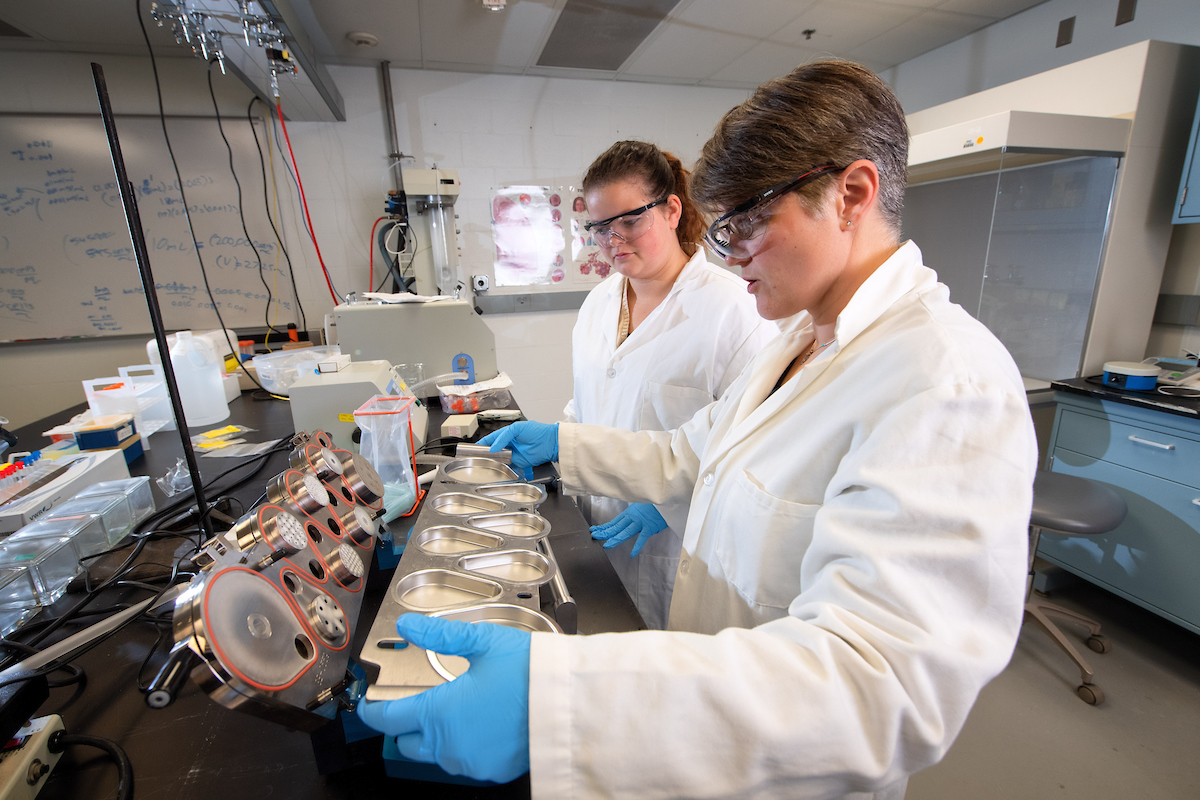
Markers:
{"x": 848, "y": 224}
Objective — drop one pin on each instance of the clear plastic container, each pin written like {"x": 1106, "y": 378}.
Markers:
{"x": 86, "y": 531}
{"x": 136, "y": 490}
{"x": 52, "y": 564}
{"x": 18, "y": 599}
{"x": 278, "y": 371}
{"x": 198, "y": 373}
{"x": 113, "y": 509}
{"x": 386, "y": 424}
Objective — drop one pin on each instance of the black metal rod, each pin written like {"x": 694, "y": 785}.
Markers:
{"x": 134, "y": 221}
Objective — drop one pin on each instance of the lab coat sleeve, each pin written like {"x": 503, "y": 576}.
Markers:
{"x": 657, "y": 467}
{"x": 569, "y": 414}
{"x": 911, "y": 599}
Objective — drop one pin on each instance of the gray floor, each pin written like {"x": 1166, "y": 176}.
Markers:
{"x": 1030, "y": 737}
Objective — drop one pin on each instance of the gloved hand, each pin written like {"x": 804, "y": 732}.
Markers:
{"x": 476, "y": 725}
{"x": 640, "y": 519}
{"x": 532, "y": 444}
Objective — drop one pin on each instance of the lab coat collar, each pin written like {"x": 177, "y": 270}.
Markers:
{"x": 902, "y": 273}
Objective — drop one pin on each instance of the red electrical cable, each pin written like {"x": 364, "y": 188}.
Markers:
{"x": 371, "y": 247}
{"x": 311, "y": 231}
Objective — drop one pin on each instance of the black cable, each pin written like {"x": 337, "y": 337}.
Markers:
{"x": 241, "y": 212}
{"x": 162, "y": 118}
{"x": 77, "y": 673}
{"x": 61, "y": 740}
{"x": 266, "y": 203}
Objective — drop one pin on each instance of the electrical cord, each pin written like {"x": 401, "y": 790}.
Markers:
{"x": 267, "y": 205}
{"x": 304, "y": 201}
{"x": 61, "y": 740}
{"x": 162, "y": 118}
{"x": 241, "y": 211}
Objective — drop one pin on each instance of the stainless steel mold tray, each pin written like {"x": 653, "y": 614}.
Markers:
{"x": 476, "y": 470}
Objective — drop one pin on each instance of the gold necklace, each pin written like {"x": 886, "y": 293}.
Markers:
{"x": 813, "y": 349}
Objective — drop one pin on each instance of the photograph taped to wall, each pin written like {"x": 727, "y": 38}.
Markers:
{"x": 540, "y": 239}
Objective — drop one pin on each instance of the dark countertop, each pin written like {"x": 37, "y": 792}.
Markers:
{"x": 1092, "y": 387}
{"x": 198, "y": 749}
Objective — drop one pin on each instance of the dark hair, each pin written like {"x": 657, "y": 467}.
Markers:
{"x": 660, "y": 172}
{"x": 828, "y": 112}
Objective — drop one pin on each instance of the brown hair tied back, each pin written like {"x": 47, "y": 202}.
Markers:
{"x": 828, "y": 112}
{"x": 661, "y": 173}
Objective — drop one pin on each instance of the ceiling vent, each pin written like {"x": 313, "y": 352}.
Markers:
{"x": 601, "y": 34}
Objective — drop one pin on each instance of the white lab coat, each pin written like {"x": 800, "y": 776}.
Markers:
{"x": 855, "y": 548}
{"x": 684, "y": 355}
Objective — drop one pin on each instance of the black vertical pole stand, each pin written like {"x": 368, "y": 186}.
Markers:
{"x": 129, "y": 201}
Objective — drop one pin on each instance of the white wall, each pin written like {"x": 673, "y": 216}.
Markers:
{"x": 1023, "y": 45}
{"x": 493, "y": 129}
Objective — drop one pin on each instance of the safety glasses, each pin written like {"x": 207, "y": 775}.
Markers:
{"x": 730, "y": 232}
{"x": 626, "y": 226}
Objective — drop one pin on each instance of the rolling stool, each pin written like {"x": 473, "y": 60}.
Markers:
{"x": 1075, "y": 507}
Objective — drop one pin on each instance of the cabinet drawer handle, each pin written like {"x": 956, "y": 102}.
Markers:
{"x": 1159, "y": 445}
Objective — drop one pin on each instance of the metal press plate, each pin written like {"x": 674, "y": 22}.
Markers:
{"x": 524, "y": 494}
{"x": 518, "y": 524}
{"x": 477, "y": 470}
{"x": 450, "y": 540}
{"x": 511, "y": 566}
{"x": 437, "y": 589}
{"x": 461, "y": 504}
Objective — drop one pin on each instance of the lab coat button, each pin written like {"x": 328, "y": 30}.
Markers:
{"x": 612, "y": 373}
{"x": 708, "y": 479}
{"x": 684, "y": 565}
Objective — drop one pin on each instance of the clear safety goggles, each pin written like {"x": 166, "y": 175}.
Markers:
{"x": 626, "y": 226}
{"x": 729, "y": 234}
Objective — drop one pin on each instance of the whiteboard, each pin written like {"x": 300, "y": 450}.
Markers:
{"x": 66, "y": 260}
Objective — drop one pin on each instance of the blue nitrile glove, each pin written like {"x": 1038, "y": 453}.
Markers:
{"x": 640, "y": 519}
{"x": 476, "y": 725}
{"x": 532, "y": 444}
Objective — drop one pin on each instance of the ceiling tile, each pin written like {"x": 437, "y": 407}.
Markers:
{"x": 395, "y": 23}
{"x": 763, "y": 62}
{"x": 919, "y": 35}
{"x": 680, "y": 51}
{"x": 996, "y": 9}
{"x": 760, "y": 20}
{"x": 842, "y": 26}
{"x": 466, "y": 33}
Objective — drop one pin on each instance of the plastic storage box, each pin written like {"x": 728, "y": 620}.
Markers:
{"x": 278, "y": 371}
{"x": 136, "y": 491}
{"x": 85, "y": 530}
{"x": 113, "y": 509}
{"x": 18, "y": 599}
{"x": 52, "y": 564}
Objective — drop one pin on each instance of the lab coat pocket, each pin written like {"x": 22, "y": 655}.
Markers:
{"x": 666, "y": 406}
{"x": 762, "y": 543}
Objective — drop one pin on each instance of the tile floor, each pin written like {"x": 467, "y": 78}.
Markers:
{"x": 1030, "y": 737}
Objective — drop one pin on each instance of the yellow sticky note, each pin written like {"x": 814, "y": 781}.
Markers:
{"x": 345, "y": 418}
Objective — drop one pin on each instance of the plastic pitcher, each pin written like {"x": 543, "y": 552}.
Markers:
{"x": 198, "y": 373}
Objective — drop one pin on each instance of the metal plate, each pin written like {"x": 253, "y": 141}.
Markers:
{"x": 449, "y": 540}
{"x": 517, "y": 524}
{"x": 524, "y": 494}
{"x": 510, "y": 566}
{"x": 477, "y": 470}
{"x": 436, "y": 589}
{"x": 253, "y": 630}
{"x": 461, "y": 504}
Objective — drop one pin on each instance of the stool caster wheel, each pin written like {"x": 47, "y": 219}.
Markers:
{"x": 1099, "y": 644}
{"x": 1090, "y": 693}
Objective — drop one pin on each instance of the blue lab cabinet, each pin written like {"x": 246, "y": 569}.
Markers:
{"x": 1187, "y": 204}
{"x": 1152, "y": 458}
